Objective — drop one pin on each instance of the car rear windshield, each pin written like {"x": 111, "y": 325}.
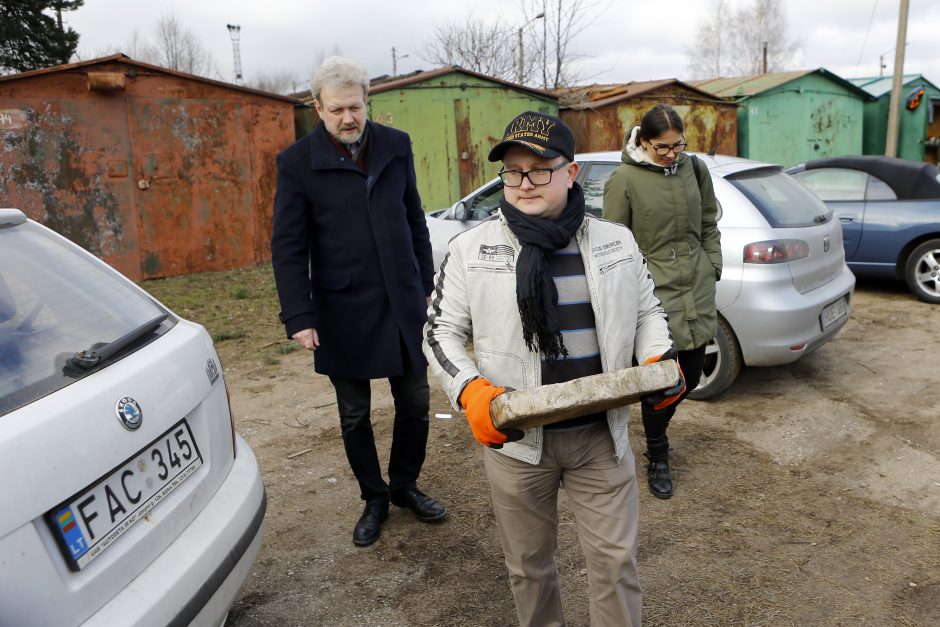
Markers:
{"x": 55, "y": 302}
{"x": 782, "y": 201}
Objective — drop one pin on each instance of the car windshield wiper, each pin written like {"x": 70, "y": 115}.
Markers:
{"x": 91, "y": 357}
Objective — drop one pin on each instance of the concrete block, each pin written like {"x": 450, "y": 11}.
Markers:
{"x": 547, "y": 404}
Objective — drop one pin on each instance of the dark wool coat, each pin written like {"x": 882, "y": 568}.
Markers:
{"x": 352, "y": 254}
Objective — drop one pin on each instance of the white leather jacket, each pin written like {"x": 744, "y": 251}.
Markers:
{"x": 475, "y": 299}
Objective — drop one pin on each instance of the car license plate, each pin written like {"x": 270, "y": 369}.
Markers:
{"x": 92, "y": 520}
{"x": 833, "y": 312}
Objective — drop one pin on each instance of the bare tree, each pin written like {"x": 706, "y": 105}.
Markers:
{"x": 473, "y": 45}
{"x": 276, "y": 82}
{"x": 711, "y": 49}
{"x": 732, "y": 42}
{"x": 493, "y": 48}
{"x": 551, "y": 45}
{"x": 136, "y": 47}
{"x": 176, "y": 47}
{"x": 764, "y": 24}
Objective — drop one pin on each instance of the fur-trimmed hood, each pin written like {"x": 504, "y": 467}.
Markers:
{"x": 635, "y": 155}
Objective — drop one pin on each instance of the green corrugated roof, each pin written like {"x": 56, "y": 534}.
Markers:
{"x": 878, "y": 86}
{"x": 746, "y": 86}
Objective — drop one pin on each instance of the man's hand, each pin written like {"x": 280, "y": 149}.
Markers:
{"x": 475, "y": 399}
{"x": 665, "y": 398}
{"x": 307, "y": 338}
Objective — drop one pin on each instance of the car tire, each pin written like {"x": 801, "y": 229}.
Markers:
{"x": 722, "y": 364}
{"x": 922, "y": 271}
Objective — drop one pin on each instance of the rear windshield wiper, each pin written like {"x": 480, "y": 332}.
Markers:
{"x": 91, "y": 357}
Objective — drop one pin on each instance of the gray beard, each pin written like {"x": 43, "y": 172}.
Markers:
{"x": 349, "y": 143}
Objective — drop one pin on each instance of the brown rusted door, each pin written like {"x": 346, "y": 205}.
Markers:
{"x": 64, "y": 162}
{"x": 192, "y": 164}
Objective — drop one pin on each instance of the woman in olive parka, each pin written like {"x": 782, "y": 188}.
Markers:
{"x": 668, "y": 202}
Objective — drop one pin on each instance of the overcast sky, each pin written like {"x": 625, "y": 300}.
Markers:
{"x": 628, "y": 39}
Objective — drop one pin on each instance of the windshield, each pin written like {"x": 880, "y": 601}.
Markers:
{"x": 781, "y": 200}
{"x": 54, "y": 303}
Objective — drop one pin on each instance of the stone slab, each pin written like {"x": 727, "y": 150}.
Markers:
{"x": 547, "y": 404}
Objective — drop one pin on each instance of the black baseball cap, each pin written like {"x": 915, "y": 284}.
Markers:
{"x": 545, "y": 135}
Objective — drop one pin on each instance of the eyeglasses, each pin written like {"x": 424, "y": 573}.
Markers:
{"x": 663, "y": 149}
{"x": 537, "y": 176}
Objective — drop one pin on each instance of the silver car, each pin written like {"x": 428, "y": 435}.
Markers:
{"x": 785, "y": 288}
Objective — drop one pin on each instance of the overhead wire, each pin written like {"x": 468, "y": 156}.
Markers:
{"x": 865, "y": 39}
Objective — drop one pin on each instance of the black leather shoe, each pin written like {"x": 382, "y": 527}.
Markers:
{"x": 369, "y": 526}
{"x": 659, "y": 478}
{"x": 425, "y": 508}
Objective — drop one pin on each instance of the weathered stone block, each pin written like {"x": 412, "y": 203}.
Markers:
{"x": 546, "y": 404}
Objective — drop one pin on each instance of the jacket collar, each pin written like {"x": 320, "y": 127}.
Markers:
{"x": 383, "y": 147}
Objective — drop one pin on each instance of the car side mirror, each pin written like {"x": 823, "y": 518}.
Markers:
{"x": 461, "y": 211}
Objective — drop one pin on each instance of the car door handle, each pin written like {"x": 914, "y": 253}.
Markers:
{"x": 847, "y": 219}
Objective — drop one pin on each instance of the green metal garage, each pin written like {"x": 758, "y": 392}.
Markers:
{"x": 790, "y": 117}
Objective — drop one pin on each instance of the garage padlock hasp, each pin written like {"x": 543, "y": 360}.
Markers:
{"x": 547, "y": 404}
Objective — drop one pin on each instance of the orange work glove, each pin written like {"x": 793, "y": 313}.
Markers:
{"x": 475, "y": 399}
{"x": 665, "y": 398}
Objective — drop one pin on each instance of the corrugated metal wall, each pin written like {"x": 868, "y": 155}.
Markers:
{"x": 808, "y": 118}
{"x": 709, "y": 126}
{"x": 913, "y": 130}
{"x": 166, "y": 176}
{"x": 453, "y": 120}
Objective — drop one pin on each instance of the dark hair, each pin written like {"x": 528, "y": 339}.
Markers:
{"x": 657, "y": 121}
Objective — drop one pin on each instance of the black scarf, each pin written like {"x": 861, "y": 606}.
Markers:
{"x": 536, "y": 293}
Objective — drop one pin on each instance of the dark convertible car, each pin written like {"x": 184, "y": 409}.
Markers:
{"x": 890, "y": 214}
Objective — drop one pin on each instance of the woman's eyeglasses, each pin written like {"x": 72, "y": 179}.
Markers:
{"x": 664, "y": 149}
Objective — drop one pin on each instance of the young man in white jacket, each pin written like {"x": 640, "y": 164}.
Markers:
{"x": 548, "y": 294}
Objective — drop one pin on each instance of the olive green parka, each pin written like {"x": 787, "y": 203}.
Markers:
{"x": 674, "y": 217}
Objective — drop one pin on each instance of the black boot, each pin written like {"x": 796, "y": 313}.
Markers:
{"x": 657, "y": 470}
{"x": 370, "y": 523}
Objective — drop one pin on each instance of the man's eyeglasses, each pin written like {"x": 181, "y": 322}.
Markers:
{"x": 537, "y": 176}
{"x": 664, "y": 149}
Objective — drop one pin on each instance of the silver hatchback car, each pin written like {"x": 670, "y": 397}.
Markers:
{"x": 785, "y": 288}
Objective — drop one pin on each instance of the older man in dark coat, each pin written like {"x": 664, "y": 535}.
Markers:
{"x": 353, "y": 267}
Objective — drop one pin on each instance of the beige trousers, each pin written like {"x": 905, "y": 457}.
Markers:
{"x": 603, "y": 495}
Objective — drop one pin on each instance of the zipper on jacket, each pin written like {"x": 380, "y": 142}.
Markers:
{"x": 610, "y": 266}
{"x": 592, "y": 289}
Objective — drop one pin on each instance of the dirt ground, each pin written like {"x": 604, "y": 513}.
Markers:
{"x": 807, "y": 494}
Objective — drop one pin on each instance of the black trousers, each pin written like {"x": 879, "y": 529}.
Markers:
{"x": 655, "y": 422}
{"x": 409, "y": 433}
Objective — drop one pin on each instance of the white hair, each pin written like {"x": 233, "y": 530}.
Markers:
{"x": 338, "y": 72}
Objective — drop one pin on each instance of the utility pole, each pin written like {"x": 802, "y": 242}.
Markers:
{"x": 891, "y": 142}
{"x": 395, "y": 58}
{"x": 765, "y": 58}
{"x": 521, "y": 49}
{"x": 234, "y": 31}
{"x": 544, "y": 47}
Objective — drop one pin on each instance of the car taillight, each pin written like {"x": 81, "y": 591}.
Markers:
{"x": 776, "y": 251}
